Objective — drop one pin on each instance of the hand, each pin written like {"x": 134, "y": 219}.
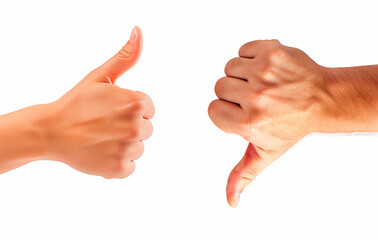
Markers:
{"x": 98, "y": 127}
{"x": 271, "y": 97}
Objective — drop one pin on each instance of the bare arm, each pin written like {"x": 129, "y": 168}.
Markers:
{"x": 21, "y": 138}
{"x": 96, "y": 127}
{"x": 274, "y": 95}
{"x": 350, "y": 99}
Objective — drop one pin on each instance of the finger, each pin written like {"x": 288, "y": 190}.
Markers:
{"x": 239, "y": 68}
{"x": 119, "y": 169}
{"x": 138, "y": 103}
{"x": 134, "y": 151}
{"x": 137, "y": 129}
{"x": 125, "y": 59}
{"x": 231, "y": 89}
{"x": 146, "y": 129}
{"x": 128, "y": 169}
{"x": 228, "y": 116}
{"x": 254, "y": 161}
{"x": 244, "y": 173}
{"x": 149, "y": 105}
{"x": 256, "y": 48}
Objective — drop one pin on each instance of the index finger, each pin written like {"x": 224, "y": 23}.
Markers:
{"x": 255, "y": 48}
{"x": 149, "y": 105}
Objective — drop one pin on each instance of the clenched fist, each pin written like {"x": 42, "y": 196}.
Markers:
{"x": 98, "y": 127}
{"x": 271, "y": 96}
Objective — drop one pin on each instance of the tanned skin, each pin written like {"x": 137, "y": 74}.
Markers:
{"x": 274, "y": 95}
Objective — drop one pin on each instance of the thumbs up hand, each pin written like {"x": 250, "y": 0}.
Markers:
{"x": 272, "y": 96}
{"x": 98, "y": 127}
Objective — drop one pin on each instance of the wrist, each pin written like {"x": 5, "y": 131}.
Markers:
{"x": 348, "y": 101}
{"x": 34, "y": 131}
{"x": 21, "y": 138}
{"x": 41, "y": 124}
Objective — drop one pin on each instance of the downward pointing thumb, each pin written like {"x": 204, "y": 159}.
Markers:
{"x": 125, "y": 59}
{"x": 244, "y": 173}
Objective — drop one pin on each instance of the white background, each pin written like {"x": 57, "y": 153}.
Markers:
{"x": 325, "y": 187}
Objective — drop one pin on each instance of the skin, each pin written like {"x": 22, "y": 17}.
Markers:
{"x": 96, "y": 128}
{"x": 274, "y": 95}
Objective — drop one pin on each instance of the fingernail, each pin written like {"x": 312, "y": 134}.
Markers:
{"x": 133, "y": 35}
{"x": 236, "y": 201}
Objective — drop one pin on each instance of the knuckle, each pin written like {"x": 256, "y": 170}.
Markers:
{"x": 143, "y": 103}
{"x": 276, "y": 51}
{"x": 138, "y": 105}
{"x": 235, "y": 62}
{"x": 128, "y": 151}
{"x": 219, "y": 86}
{"x": 143, "y": 96}
{"x": 246, "y": 173}
{"x": 212, "y": 110}
{"x": 216, "y": 117}
{"x": 275, "y": 41}
{"x": 249, "y": 45}
{"x": 125, "y": 52}
{"x": 134, "y": 133}
{"x": 250, "y": 174}
{"x": 231, "y": 65}
{"x": 119, "y": 168}
{"x": 116, "y": 168}
{"x": 265, "y": 70}
{"x": 148, "y": 104}
{"x": 134, "y": 151}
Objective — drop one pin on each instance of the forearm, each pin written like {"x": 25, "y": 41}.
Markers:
{"x": 350, "y": 99}
{"x": 21, "y": 138}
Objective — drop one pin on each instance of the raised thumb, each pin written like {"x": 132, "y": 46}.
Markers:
{"x": 125, "y": 59}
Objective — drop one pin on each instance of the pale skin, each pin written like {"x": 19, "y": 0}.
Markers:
{"x": 97, "y": 127}
{"x": 274, "y": 95}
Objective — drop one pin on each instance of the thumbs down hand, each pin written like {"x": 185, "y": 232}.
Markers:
{"x": 272, "y": 97}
